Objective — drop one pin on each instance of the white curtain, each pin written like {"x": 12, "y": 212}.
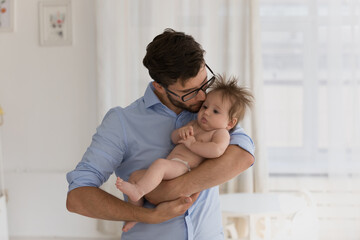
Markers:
{"x": 312, "y": 50}
{"x": 341, "y": 108}
{"x": 2, "y": 177}
{"x": 227, "y": 30}
{"x": 332, "y": 112}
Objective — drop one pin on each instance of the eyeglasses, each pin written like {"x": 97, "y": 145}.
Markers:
{"x": 193, "y": 93}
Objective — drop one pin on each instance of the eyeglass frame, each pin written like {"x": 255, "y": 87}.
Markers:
{"x": 196, "y": 90}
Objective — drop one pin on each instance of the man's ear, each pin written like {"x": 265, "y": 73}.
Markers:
{"x": 231, "y": 123}
{"x": 158, "y": 87}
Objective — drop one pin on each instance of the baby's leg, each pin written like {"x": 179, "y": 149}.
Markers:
{"x": 128, "y": 226}
{"x": 129, "y": 189}
{"x": 158, "y": 170}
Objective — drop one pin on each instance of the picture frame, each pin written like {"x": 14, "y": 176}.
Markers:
{"x": 7, "y": 15}
{"x": 55, "y": 20}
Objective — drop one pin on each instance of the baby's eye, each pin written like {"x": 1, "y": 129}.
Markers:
{"x": 204, "y": 106}
{"x": 216, "y": 111}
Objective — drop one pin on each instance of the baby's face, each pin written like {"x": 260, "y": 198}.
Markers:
{"x": 214, "y": 113}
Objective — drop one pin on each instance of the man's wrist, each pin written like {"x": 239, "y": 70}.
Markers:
{"x": 145, "y": 215}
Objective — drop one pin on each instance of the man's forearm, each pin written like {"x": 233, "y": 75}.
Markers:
{"x": 94, "y": 202}
{"x": 210, "y": 173}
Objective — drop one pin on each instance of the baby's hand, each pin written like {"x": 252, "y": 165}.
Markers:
{"x": 186, "y": 132}
{"x": 187, "y": 142}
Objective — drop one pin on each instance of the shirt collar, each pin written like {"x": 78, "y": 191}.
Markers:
{"x": 150, "y": 97}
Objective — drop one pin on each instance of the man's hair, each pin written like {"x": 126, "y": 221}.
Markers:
{"x": 173, "y": 55}
{"x": 240, "y": 97}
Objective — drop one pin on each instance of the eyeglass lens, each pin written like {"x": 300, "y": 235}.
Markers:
{"x": 204, "y": 87}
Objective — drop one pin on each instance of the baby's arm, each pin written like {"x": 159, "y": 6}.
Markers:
{"x": 213, "y": 149}
{"x": 182, "y": 133}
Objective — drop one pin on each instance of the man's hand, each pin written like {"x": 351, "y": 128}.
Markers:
{"x": 168, "y": 210}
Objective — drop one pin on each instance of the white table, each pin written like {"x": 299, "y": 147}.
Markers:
{"x": 253, "y": 206}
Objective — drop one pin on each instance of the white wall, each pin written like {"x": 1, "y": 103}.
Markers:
{"x": 49, "y": 98}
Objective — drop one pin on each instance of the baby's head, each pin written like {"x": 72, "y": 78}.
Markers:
{"x": 239, "y": 97}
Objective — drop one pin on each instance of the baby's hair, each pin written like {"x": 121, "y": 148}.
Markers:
{"x": 240, "y": 97}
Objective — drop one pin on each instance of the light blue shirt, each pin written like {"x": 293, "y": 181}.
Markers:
{"x": 130, "y": 139}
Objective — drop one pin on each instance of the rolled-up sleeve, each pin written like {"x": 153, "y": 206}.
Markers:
{"x": 240, "y": 138}
{"x": 104, "y": 154}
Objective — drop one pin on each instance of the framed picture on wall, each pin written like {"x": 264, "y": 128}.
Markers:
{"x": 55, "y": 23}
{"x": 7, "y": 15}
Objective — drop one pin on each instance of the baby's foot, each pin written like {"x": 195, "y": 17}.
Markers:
{"x": 128, "y": 226}
{"x": 129, "y": 189}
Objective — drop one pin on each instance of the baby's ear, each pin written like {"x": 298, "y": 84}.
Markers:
{"x": 231, "y": 123}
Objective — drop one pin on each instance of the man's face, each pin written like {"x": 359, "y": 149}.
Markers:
{"x": 194, "y": 104}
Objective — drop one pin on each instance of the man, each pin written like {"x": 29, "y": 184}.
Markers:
{"x": 131, "y": 138}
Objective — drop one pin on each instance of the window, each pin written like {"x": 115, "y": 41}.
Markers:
{"x": 299, "y": 61}
{"x": 311, "y": 71}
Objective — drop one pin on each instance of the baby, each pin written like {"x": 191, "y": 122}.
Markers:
{"x": 206, "y": 137}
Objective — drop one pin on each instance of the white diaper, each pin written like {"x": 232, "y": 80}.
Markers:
{"x": 182, "y": 161}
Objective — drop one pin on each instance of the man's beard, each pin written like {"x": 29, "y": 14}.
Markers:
{"x": 192, "y": 108}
